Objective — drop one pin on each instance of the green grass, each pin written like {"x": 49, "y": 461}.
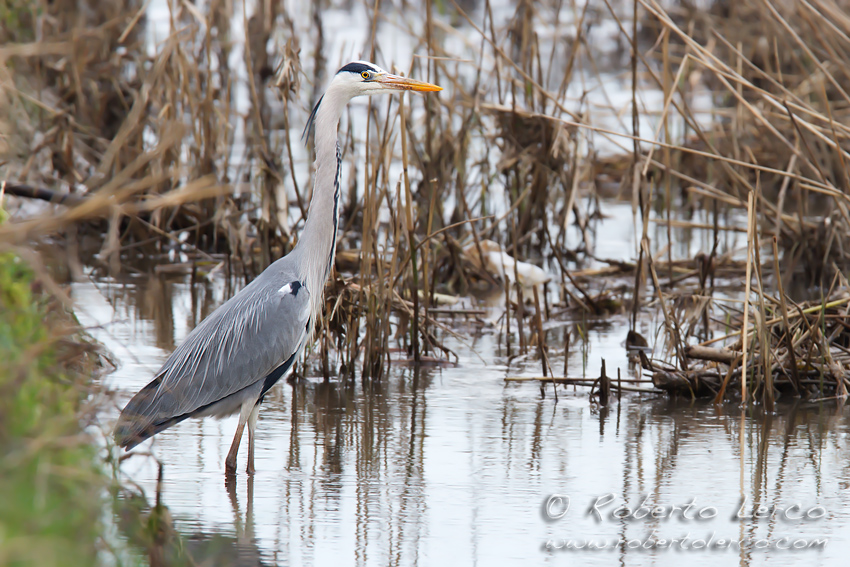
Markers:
{"x": 51, "y": 488}
{"x": 16, "y": 18}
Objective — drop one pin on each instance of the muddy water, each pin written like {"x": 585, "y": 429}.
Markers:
{"x": 452, "y": 466}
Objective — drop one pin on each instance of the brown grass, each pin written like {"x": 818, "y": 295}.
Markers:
{"x": 503, "y": 154}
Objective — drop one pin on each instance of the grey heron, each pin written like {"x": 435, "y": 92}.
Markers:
{"x": 231, "y": 359}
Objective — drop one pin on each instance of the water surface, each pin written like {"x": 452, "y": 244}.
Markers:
{"x": 454, "y": 466}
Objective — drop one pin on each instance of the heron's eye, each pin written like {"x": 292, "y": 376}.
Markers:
{"x": 366, "y": 75}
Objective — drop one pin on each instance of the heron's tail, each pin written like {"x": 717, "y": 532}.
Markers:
{"x": 143, "y": 417}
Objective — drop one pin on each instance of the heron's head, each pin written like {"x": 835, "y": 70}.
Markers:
{"x": 361, "y": 78}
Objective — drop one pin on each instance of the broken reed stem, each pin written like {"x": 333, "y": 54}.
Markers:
{"x": 604, "y": 386}
{"x": 411, "y": 234}
{"x": 789, "y": 341}
{"x": 668, "y": 202}
{"x": 428, "y": 290}
{"x": 719, "y": 398}
{"x": 520, "y": 316}
{"x": 394, "y": 263}
{"x": 587, "y": 382}
{"x": 744, "y": 329}
{"x": 520, "y": 300}
{"x": 541, "y": 343}
{"x": 799, "y": 314}
{"x": 507, "y": 315}
{"x": 365, "y": 305}
{"x": 619, "y": 384}
{"x": 764, "y": 339}
{"x": 669, "y": 322}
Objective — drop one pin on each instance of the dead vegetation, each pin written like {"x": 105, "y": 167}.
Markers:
{"x": 163, "y": 139}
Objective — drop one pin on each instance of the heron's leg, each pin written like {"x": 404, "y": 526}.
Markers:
{"x": 230, "y": 462}
{"x": 252, "y": 427}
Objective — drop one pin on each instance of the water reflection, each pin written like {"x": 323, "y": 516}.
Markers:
{"x": 151, "y": 532}
{"x": 448, "y": 469}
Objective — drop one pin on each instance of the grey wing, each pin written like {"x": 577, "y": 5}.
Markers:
{"x": 244, "y": 342}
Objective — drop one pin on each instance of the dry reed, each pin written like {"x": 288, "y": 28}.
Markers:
{"x": 176, "y": 141}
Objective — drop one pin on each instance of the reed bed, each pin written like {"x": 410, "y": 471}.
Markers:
{"x": 172, "y": 143}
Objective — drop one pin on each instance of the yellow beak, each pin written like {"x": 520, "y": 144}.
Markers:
{"x": 405, "y": 84}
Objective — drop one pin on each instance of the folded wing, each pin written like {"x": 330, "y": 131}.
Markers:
{"x": 239, "y": 346}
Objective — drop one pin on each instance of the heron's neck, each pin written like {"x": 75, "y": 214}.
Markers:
{"x": 318, "y": 240}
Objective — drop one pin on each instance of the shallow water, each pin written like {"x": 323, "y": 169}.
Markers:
{"x": 454, "y": 466}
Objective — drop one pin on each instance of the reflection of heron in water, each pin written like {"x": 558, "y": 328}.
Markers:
{"x": 156, "y": 534}
{"x": 228, "y": 362}
{"x": 247, "y": 552}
